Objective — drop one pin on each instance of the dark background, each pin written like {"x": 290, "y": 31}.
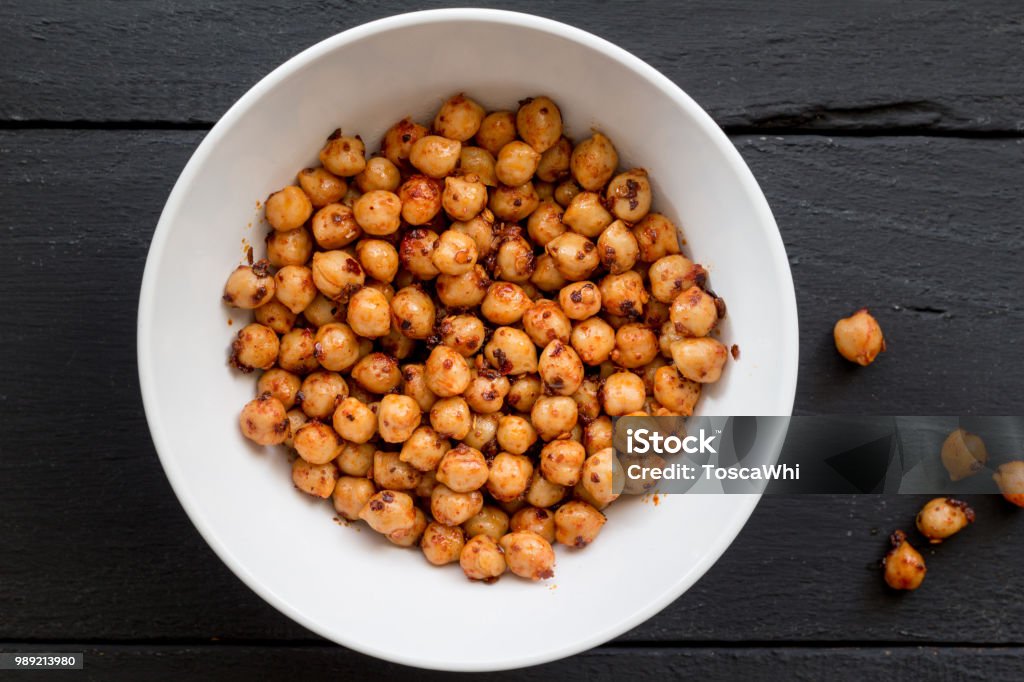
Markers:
{"x": 889, "y": 140}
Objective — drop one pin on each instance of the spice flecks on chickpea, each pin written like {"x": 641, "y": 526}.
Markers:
{"x": 904, "y": 565}
{"x": 859, "y": 338}
{"x": 529, "y": 555}
{"x": 255, "y": 347}
{"x": 482, "y": 559}
{"x": 943, "y": 517}
{"x": 577, "y": 524}
{"x": 459, "y": 118}
{"x": 265, "y": 421}
{"x": 250, "y": 286}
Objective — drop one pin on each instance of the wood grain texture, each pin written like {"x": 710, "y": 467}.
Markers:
{"x": 921, "y": 65}
{"x": 164, "y": 662}
{"x": 97, "y": 548}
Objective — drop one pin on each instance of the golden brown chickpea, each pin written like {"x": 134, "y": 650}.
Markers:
{"x": 496, "y": 130}
{"x": 904, "y": 565}
{"x": 624, "y": 295}
{"x": 545, "y": 322}
{"x": 316, "y": 442}
{"x": 288, "y": 208}
{"x": 505, "y": 303}
{"x": 588, "y": 404}
{"x": 314, "y": 479}
{"x": 378, "y": 258}
{"x": 292, "y": 247}
{"x": 574, "y": 256}
{"x": 963, "y": 454}
{"x": 337, "y": 274}
{"x": 298, "y": 352}
{"x": 451, "y": 418}
{"x": 674, "y": 391}
{"x": 442, "y": 544}
{"x": 560, "y": 368}
{"x": 1010, "y": 479}
{"x": 321, "y": 186}
{"x": 490, "y": 521}
{"x": 412, "y": 312}
{"x": 379, "y": 174}
{"x": 597, "y": 478}
{"x": 629, "y": 195}
{"x": 529, "y": 555}
{"x": 511, "y": 352}
{"x": 459, "y": 118}
{"x": 415, "y": 252}
{"x": 512, "y": 204}
{"x": 321, "y": 393}
{"x": 617, "y": 248}
{"x": 481, "y": 229}
{"x": 587, "y": 215}
{"x": 859, "y": 338}
{"x": 295, "y": 287}
{"x": 356, "y": 459}
{"x": 593, "y": 161}
{"x": 407, "y": 537}
{"x": 516, "y": 163}
{"x": 635, "y": 346}
{"x": 515, "y": 261}
{"x": 476, "y": 161}
{"x": 524, "y": 393}
{"x": 368, "y": 313}
{"x": 343, "y": 155}
{"x": 943, "y": 517}
{"x": 509, "y": 477}
{"x": 464, "y": 197}
{"x": 275, "y": 315}
{"x": 350, "y": 495}
{"x": 447, "y": 372}
{"x": 594, "y": 340}
{"x": 377, "y": 373}
{"x": 482, "y": 433}
{"x": 580, "y": 300}
{"x": 561, "y": 462}
{"x": 389, "y": 511}
{"x": 543, "y": 493}
{"x": 623, "y": 393}
{"x": 354, "y": 421}
{"x": 463, "y": 291}
{"x": 672, "y": 275}
{"x": 424, "y": 449}
{"x": 336, "y": 347}
{"x": 454, "y": 508}
{"x": 515, "y": 434}
{"x": 455, "y": 253}
{"x": 397, "y": 417}
{"x": 565, "y": 191}
{"x": 391, "y": 473}
{"x": 463, "y": 333}
{"x": 597, "y": 435}
{"x": 250, "y": 286}
{"x": 668, "y": 336}
{"x": 486, "y": 392}
{"x": 554, "y": 162}
{"x": 378, "y": 212}
{"x": 694, "y": 313}
{"x": 539, "y": 122}
{"x": 435, "y": 156}
{"x": 577, "y": 524}
{"x": 554, "y": 416}
{"x": 399, "y": 139}
{"x": 255, "y": 347}
{"x": 421, "y": 199}
{"x": 700, "y": 360}
{"x": 335, "y": 226}
{"x": 264, "y": 421}
{"x": 546, "y": 276}
{"x": 482, "y": 559}
{"x": 656, "y": 236}
{"x": 535, "y": 520}
{"x": 414, "y": 385}
{"x": 281, "y": 385}
{"x": 545, "y": 222}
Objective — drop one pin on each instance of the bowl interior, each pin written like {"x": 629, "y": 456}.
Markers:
{"x": 345, "y": 582}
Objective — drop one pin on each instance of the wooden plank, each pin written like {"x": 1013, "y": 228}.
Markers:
{"x": 97, "y": 547}
{"x": 171, "y": 662}
{"x": 936, "y": 66}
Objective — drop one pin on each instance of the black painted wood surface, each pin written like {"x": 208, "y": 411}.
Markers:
{"x": 887, "y": 140}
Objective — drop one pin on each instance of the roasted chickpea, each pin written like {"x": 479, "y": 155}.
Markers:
{"x": 694, "y": 312}
{"x": 1010, "y": 479}
{"x": 463, "y": 333}
{"x": 424, "y": 449}
{"x": 539, "y": 122}
{"x": 316, "y": 442}
{"x": 529, "y": 555}
{"x": 672, "y": 275}
{"x": 276, "y": 316}
{"x": 546, "y": 276}
{"x": 350, "y": 495}
{"x": 574, "y": 256}
{"x": 454, "y": 508}
{"x": 447, "y": 372}
{"x": 464, "y": 197}
{"x": 335, "y": 226}
{"x": 577, "y": 524}
{"x": 593, "y": 161}
{"x": 535, "y": 520}
{"x": 482, "y": 433}
{"x": 412, "y": 312}
{"x": 963, "y": 454}
{"x": 509, "y": 477}
{"x": 479, "y": 162}
{"x": 565, "y": 191}
{"x": 700, "y": 360}
{"x": 421, "y": 198}
{"x": 859, "y": 338}
{"x": 512, "y": 204}
{"x": 291, "y": 247}
{"x": 505, "y": 303}
{"x": 656, "y": 236}
{"x": 623, "y": 393}
{"x": 486, "y": 392}
{"x": 489, "y": 521}
{"x": 629, "y": 195}
{"x": 580, "y": 300}
{"x": 337, "y": 274}
{"x": 515, "y": 260}
{"x": 587, "y": 215}
{"x": 515, "y": 434}
{"x": 943, "y": 517}
{"x": 496, "y": 130}
{"x": 288, "y": 208}
{"x": 250, "y": 286}
{"x": 597, "y": 435}
{"x": 391, "y": 473}
{"x": 561, "y": 368}
{"x": 588, "y": 404}
{"x": 294, "y": 287}
{"x": 545, "y": 222}
{"x": 459, "y": 118}
{"x": 343, "y": 155}
{"x": 379, "y": 174}
{"x": 554, "y": 416}
{"x": 336, "y": 347}
{"x": 354, "y": 420}
{"x": 442, "y": 544}
{"x": 674, "y": 391}
{"x": 524, "y": 393}
{"x": 596, "y": 478}
{"x": 516, "y": 163}
{"x": 355, "y": 459}
{"x": 511, "y": 352}
{"x": 435, "y": 156}
{"x": 451, "y": 418}
{"x": 407, "y": 537}
{"x": 378, "y": 259}
{"x": 368, "y": 313}
{"x": 481, "y": 229}
{"x": 265, "y": 421}
{"x": 545, "y": 322}
{"x": 255, "y": 347}
{"x": 455, "y": 253}
{"x": 298, "y": 352}
{"x": 378, "y": 212}
{"x": 399, "y": 139}
{"x": 624, "y": 294}
{"x": 314, "y": 479}
{"x": 414, "y": 385}
{"x": 389, "y": 511}
{"x": 321, "y": 393}
{"x": 594, "y": 340}
{"x": 397, "y": 417}
{"x": 904, "y": 565}
{"x": 554, "y": 162}
{"x": 415, "y": 252}
{"x": 463, "y": 291}
{"x": 281, "y": 385}
{"x": 377, "y": 373}
{"x": 561, "y": 462}
{"x": 321, "y": 186}
{"x": 617, "y": 248}
{"x": 482, "y": 559}
{"x": 635, "y": 346}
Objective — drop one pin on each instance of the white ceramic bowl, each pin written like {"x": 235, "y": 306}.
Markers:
{"x": 350, "y": 586}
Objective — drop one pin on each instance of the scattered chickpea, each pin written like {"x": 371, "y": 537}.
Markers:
{"x": 963, "y": 454}
{"x": 943, "y": 517}
{"x": 904, "y": 565}
{"x": 1010, "y": 479}
{"x": 859, "y": 338}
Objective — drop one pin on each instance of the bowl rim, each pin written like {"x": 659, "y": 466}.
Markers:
{"x": 789, "y": 359}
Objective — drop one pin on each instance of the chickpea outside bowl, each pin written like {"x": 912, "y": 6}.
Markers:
{"x": 235, "y": 490}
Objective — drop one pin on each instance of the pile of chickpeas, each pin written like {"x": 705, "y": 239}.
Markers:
{"x": 444, "y": 331}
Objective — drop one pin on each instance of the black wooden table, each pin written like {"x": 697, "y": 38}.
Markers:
{"x": 889, "y": 140}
